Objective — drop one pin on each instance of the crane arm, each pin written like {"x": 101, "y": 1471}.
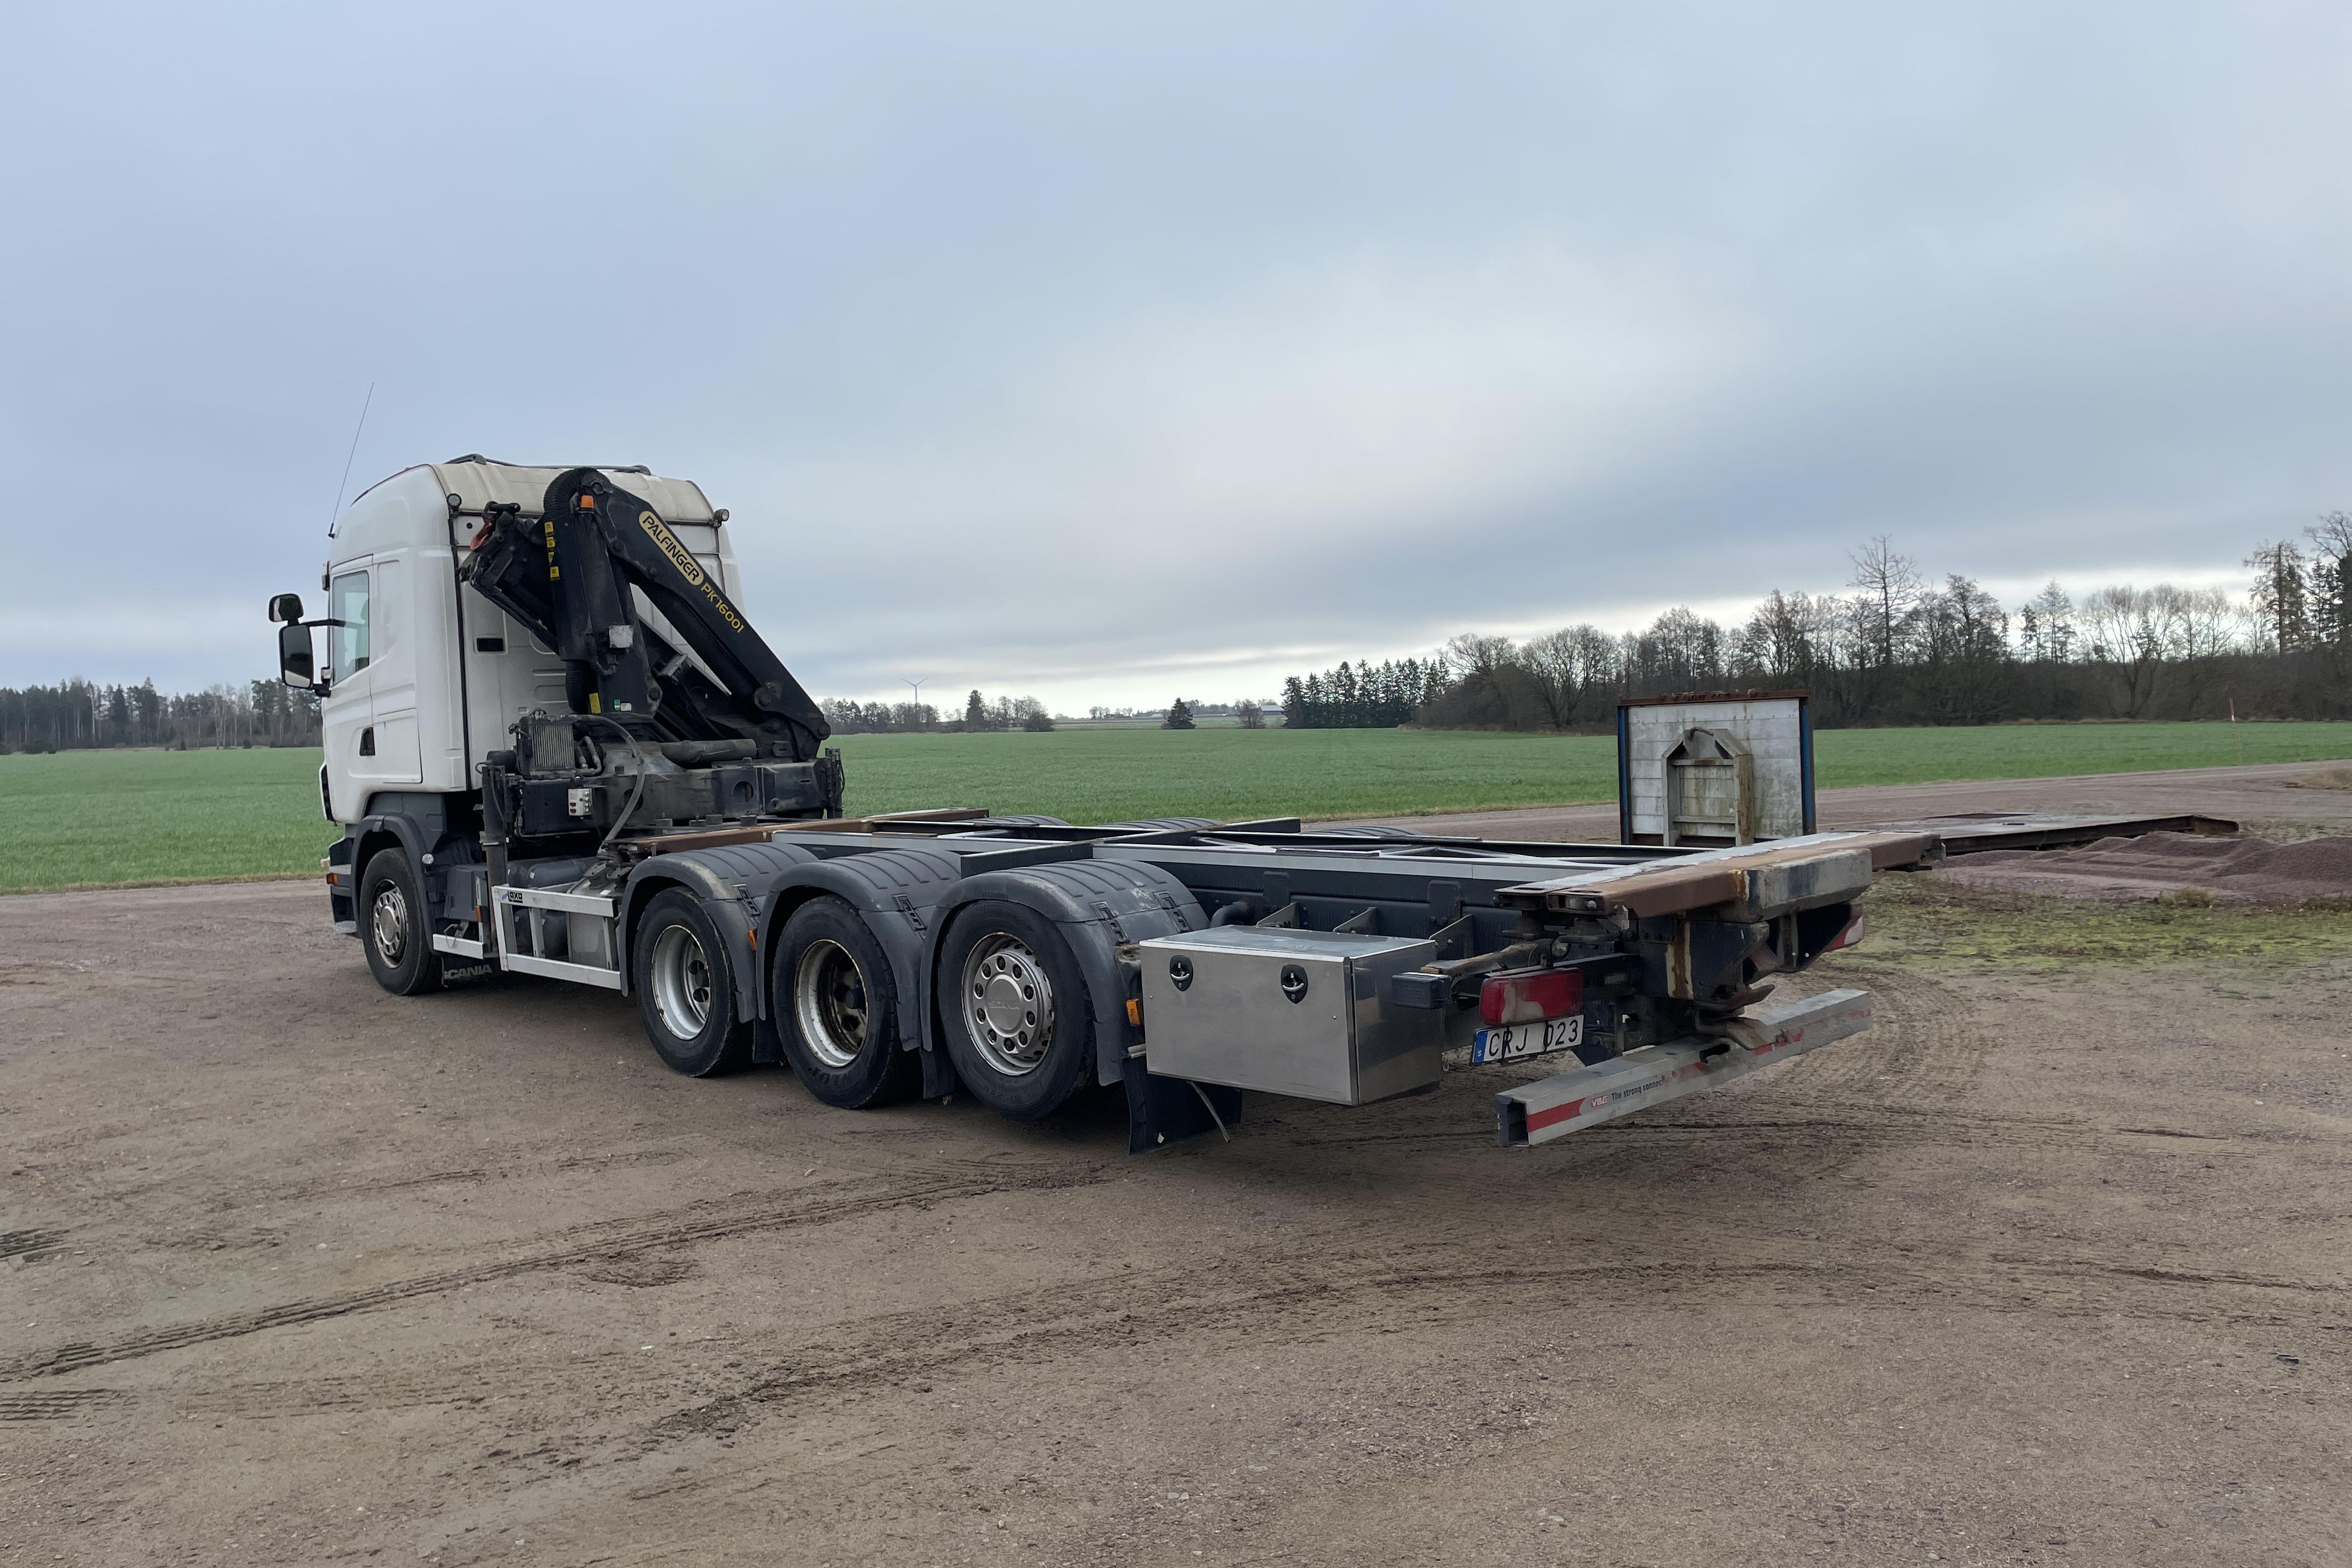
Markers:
{"x": 566, "y": 575}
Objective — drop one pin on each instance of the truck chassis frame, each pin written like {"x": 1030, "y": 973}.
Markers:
{"x": 1672, "y": 943}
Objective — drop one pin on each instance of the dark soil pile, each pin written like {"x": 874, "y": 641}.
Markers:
{"x": 2236, "y": 870}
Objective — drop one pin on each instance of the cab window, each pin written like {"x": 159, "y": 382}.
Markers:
{"x": 347, "y": 599}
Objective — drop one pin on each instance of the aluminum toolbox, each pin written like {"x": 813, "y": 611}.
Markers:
{"x": 1304, "y": 1012}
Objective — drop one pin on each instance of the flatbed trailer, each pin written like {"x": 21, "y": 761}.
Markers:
{"x": 556, "y": 749}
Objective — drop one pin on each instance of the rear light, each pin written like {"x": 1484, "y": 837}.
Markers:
{"x": 1527, "y": 996}
{"x": 1848, "y": 937}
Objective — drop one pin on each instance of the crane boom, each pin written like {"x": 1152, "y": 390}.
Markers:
{"x": 566, "y": 574}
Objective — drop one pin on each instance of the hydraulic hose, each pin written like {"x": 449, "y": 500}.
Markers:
{"x": 637, "y": 790}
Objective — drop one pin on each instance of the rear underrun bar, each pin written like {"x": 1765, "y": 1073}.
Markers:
{"x": 1584, "y": 1097}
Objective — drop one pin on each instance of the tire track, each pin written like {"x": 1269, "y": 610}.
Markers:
{"x": 54, "y": 1405}
{"x": 1926, "y": 1049}
{"x": 30, "y": 1244}
{"x": 1277, "y": 1295}
{"x": 1271, "y": 1294}
{"x": 594, "y": 1243}
{"x": 366, "y": 1184}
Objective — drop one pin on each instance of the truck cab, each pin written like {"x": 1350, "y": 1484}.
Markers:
{"x": 422, "y": 677}
{"x": 432, "y": 671}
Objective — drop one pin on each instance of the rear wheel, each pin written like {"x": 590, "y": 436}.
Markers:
{"x": 685, "y": 988}
{"x": 838, "y": 1004}
{"x": 395, "y": 927}
{"x": 1019, "y": 1022}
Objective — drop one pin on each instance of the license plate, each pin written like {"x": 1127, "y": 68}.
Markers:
{"x": 1515, "y": 1040}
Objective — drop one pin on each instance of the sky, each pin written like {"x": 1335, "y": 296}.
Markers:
{"x": 1110, "y": 353}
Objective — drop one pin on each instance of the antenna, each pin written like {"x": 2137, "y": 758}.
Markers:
{"x": 343, "y": 483}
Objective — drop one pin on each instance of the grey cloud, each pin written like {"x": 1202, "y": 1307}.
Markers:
{"x": 1089, "y": 351}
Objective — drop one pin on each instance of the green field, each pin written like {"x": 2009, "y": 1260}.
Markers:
{"x": 85, "y": 818}
{"x": 92, "y": 818}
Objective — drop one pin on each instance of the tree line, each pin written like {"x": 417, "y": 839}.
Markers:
{"x": 980, "y": 714}
{"x": 1364, "y": 696}
{"x": 1899, "y": 648}
{"x": 81, "y": 715}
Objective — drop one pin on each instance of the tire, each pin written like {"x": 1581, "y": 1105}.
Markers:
{"x": 836, "y": 1002}
{"x": 395, "y": 927}
{"x": 680, "y": 969}
{"x": 999, "y": 962}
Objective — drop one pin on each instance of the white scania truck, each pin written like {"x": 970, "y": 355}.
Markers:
{"x": 556, "y": 747}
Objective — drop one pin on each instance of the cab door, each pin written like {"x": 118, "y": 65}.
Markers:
{"x": 346, "y": 713}
{"x": 394, "y": 630}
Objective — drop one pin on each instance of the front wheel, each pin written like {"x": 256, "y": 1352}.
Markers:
{"x": 839, "y": 1005}
{"x": 1020, "y": 1028}
{"x": 685, "y": 988}
{"x": 395, "y": 927}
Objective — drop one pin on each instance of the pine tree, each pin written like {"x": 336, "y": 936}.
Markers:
{"x": 2279, "y": 596}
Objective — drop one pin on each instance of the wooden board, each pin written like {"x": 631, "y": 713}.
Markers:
{"x": 1703, "y": 881}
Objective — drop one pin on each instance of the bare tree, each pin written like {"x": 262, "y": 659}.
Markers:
{"x": 1785, "y": 639}
{"x": 1681, "y": 650}
{"x": 2198, "y": 627}
{"x": 2053, "y": 610}
{"x": 1889, "y": 586}
{"x": 1484, "y": 661}
{"x": 1561, "y": 667}
{"x": 1961, "y": 638}
{"x": 1480, "y": 655}
{"x": 2121, "y": 626}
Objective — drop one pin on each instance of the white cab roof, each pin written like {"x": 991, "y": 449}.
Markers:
{"x": 479, "y": 481}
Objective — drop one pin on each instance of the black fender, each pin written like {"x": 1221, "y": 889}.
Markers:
{"x": 893, "y": 891}
{"x": 1099, "y": 906}
{"x": 731, "y": 880}
{"x": 419, "y": 824}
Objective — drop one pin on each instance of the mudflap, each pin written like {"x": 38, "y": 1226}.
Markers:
{"x": 1171, "y": 1110}
{"x": 938, "y": 1075}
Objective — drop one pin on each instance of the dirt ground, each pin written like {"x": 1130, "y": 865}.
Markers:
{"x": 2172, "y": 865}
{"x": 2050, "y": 1267}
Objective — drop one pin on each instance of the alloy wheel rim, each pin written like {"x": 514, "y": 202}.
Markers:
{"x": 681, "y": 974}
{"x": 829, "y": 1001}
{"x": 388, "y": 923}
{"x": 1008, "y": 1005}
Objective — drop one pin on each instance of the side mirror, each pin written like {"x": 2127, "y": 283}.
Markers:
{"x": 295, "y": 665}
{"x": 286, "y": 607}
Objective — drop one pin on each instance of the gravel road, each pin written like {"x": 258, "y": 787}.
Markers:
{"x": 2045, "y": 1269}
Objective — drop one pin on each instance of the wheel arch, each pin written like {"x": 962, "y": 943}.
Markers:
{"x": 729, "y": 883}
{"x": 381, "y": 830}
{"x": 1098, "y": 906}
{"x": 417, "y": 823}
{"x": 895, "y": 893}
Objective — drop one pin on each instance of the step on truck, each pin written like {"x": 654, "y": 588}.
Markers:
{"x": 556, "y": 747}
